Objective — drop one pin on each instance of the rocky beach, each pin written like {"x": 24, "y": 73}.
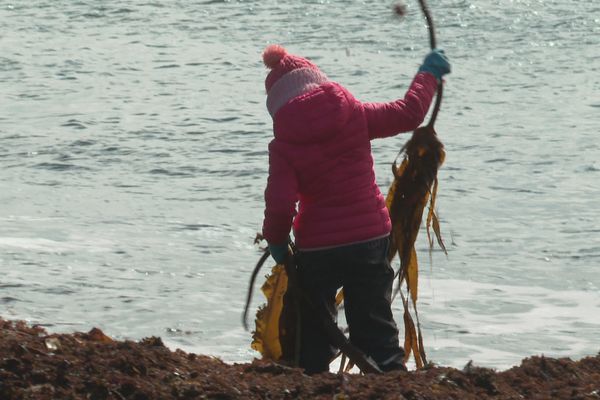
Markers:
{"x": 35, "y": 364}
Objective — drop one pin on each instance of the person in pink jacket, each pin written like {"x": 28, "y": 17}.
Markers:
{"x": 322, "y": 184}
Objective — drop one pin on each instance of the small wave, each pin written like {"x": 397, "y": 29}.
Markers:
{"x": 8, "y": 299}
{"x": 39, "y": 244}
{"x": 93, "y": 15}
{"x": 60, "y": 167}
{"x": 161, "y": 171}
{"x": 226, "y": 119}
{"x": 116, "y": 150}
{"x": 168, "y": 66}
{"x": 11, "y": 285}
{"x": 195, "y": 227}
{"x": 128, "y": 69}
{"x": 79, "y": 143}
{"x": 6, "y": 64}
{"x": 31, "y": 96}
{"x": 49, "y": 183}
{"x": 158, "y": 46}
{"x": 498, "y": 160}
{"x": 73, "y": 123}
{"x": 64, "y": 76}
{"x": 516, "y": 190}
{"x": 224, "y": 151}
{"x": 122, "y": 11}
{"x": 57, "y": 290}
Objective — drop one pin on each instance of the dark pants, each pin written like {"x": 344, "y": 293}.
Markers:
{"x": 366, "y": 276}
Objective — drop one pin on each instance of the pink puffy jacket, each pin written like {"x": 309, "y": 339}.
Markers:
{"x": 321, "y": 159}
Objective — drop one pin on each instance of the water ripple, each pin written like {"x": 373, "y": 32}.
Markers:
{"x": 60, "y": 167}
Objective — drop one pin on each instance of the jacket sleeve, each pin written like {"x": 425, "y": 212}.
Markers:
{"x": 281, "y": 196}
{"x": 402, "y": 115}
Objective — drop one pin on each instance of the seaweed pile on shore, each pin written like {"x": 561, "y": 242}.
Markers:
{"x": 38, "y": 365}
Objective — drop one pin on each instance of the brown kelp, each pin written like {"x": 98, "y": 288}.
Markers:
{"x": 415, "y": 184}
{"x": 276, "y": 321}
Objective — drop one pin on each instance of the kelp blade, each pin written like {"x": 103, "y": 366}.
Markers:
{"x": 339, "y": 298}
{"x": 266, "y": 337}
{"x": 412, "y": 276}
{"x": 433, "y": 220}
{"x": 411, "y": 341}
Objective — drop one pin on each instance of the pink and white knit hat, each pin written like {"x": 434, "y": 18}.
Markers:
{"x": 290, "y": 76}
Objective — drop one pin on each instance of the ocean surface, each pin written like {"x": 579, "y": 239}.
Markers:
{"x": 133, "y": 159}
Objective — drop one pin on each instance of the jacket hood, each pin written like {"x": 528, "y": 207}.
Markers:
{"x": 314, "y": 116}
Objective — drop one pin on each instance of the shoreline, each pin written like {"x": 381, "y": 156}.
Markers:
{"x": 37, "y": 365}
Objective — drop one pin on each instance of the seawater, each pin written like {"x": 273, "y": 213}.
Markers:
{"x": 133, "y": 159}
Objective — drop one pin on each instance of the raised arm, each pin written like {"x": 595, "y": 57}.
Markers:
{"x": 402, "y": 115}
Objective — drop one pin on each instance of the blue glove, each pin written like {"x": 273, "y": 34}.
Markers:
{"x": 279, "y": 252}
{"x": 436, "y": 63}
